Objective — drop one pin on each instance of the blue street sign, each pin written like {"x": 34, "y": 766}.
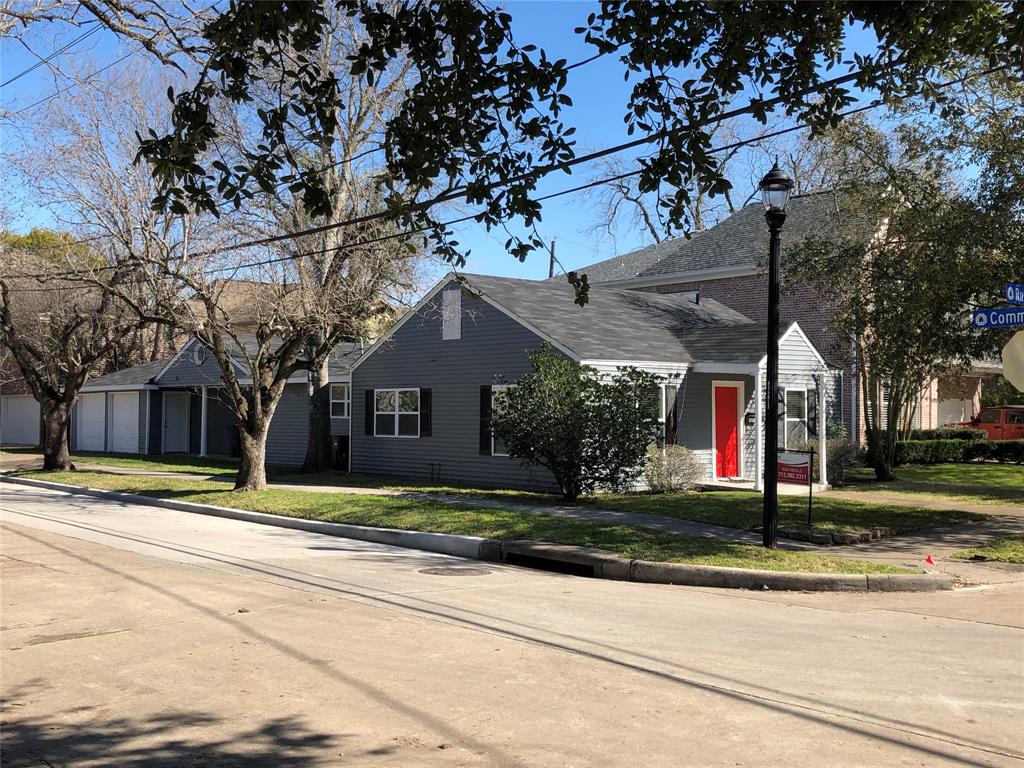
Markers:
{"x": 1015, "y": 293}
{"x": 1000, "y": 317}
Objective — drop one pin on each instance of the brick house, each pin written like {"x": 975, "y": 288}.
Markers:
{"x": 725, "y": 263}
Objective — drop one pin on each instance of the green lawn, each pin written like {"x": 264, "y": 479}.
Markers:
{"x": 411, "y": 514}
{"x": 1006, "y": 550}
{"x": 972, "y": 483}
{"x": 732, "y": 509}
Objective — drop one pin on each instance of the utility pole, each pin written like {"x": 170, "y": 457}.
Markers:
{"x": 551, "y": 263}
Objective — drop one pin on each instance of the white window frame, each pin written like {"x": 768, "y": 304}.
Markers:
{"x": 397, "y": 412}
{"x": 346, "y": 401}
{"x": 785, "y": 413}
{"x": 496, "y": 388}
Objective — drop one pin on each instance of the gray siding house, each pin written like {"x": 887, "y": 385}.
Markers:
{"x": 177, "y": 406}
{"x": 421, "y": 395}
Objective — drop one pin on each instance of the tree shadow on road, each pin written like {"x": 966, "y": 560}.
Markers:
{"x": 161, "y": 741}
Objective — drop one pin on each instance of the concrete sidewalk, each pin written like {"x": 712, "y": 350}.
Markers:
{"x": 906, "y": 550}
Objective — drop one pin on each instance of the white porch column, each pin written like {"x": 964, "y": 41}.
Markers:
{"x": 758, "y": 431}
{"x": 823, "y": 438}
{"x": 202, "y": 427}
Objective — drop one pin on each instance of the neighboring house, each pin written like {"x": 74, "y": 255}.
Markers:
{"x": 725, "y": 263}
{"x": 422, "y": 394}
{"x": 20, "y": 421}
{"x": 176, "y": 406}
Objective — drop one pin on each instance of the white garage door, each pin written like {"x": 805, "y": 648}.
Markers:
{"x": 125, "y": 423}
{"x": 92, "y": 417}
{"x": 19, "y": 420}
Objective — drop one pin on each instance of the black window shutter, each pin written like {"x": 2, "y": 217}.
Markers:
{"x": 369, "y": 411}
{"x": 485, "y": 420}
{"x": 671, "y": 425}
{"x": 426, "y": 416}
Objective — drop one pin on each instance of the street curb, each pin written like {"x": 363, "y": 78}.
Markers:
{"x": 569, "y": 559}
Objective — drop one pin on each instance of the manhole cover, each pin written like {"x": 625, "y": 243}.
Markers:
{"x": 454, "y": 571}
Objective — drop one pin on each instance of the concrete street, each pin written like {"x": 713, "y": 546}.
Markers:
{"x": 141, "y": 637}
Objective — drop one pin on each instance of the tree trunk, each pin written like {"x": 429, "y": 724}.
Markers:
{"x": 252, "y": 471}
{"x": 56, "y": 453}
{"x": 319, "y": 456}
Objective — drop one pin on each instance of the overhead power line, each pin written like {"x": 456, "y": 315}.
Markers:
{"x": 543, "y": 198}
{"x": 53, "y": 55}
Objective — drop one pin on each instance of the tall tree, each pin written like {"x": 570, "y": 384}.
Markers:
{"x": 348, "y": 163}
{"x": 58, "y": 331}
{"x": 913, "y": 245}
{"x": 76, "y": 161}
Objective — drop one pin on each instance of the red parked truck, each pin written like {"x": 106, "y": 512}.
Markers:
{"x": 1000, "y": 422}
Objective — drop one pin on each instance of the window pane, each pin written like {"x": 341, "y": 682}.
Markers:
{"x": 385, "y": 401}
{"x": 339, "y": 392}
{"x": 385, "y": 424}
{"x": 499, "y": 447}
{"x": 796, "y": 403}
{"x": 409, "y": 400}
{"x": 409, "y": 424}
{"x": 1015, "y": 418}
{"x": 989, "y": 417}
{"x": 337, "y": 410}
{"x": 796, "y": 434}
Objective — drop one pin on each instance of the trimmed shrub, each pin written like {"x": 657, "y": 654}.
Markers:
{"x": 932, "y": 451}
{"x": 673, "y": 468}
{"x": 1007, "y": 451}
{"x": 948, "y": 433}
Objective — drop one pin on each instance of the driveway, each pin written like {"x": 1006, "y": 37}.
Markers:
{"x": 135, "y": 636}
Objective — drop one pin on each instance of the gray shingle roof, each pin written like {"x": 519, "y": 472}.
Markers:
{"x": 615, "y": 324}
{"x": 137, "y": 376}
{"x": 631, "y": 264}
{"x": 739, "y": 241}
{"x": 343, "y": 357}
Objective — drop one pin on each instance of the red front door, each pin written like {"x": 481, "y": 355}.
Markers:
{"x": 727, "y": 462}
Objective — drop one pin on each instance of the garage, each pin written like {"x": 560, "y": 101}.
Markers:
{"x": 19, "y": 420}
{"x": 92, "y": 419}
{"x": 124, "y": 422}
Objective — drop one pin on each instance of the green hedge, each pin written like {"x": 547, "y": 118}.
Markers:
{"x": 958, "y": 451}
{"x": 948, "y": 433}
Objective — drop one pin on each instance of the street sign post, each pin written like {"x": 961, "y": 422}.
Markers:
{"x": 1000, "y": 317}
{"x": 1015, "y": 293}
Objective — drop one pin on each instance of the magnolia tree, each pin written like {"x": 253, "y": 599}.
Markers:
{"x": 590, "y": 431}
{"x": 483, "y": 115}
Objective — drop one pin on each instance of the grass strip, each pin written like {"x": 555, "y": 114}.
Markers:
{"x": 411, "y": 514}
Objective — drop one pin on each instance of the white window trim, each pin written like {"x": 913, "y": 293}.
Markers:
{"x": 785, "y": 413}
{"x": 496, "y": 388}
{"x": 397, "y": 392}
{"x": 347, "y": 399}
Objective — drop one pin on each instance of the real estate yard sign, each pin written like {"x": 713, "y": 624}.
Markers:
{"x": 794, "y": 468}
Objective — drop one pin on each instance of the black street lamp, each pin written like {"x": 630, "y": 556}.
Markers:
{"x": 775, "y": 188}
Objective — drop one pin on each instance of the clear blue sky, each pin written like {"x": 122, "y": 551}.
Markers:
{"x": 598, "y": 91}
